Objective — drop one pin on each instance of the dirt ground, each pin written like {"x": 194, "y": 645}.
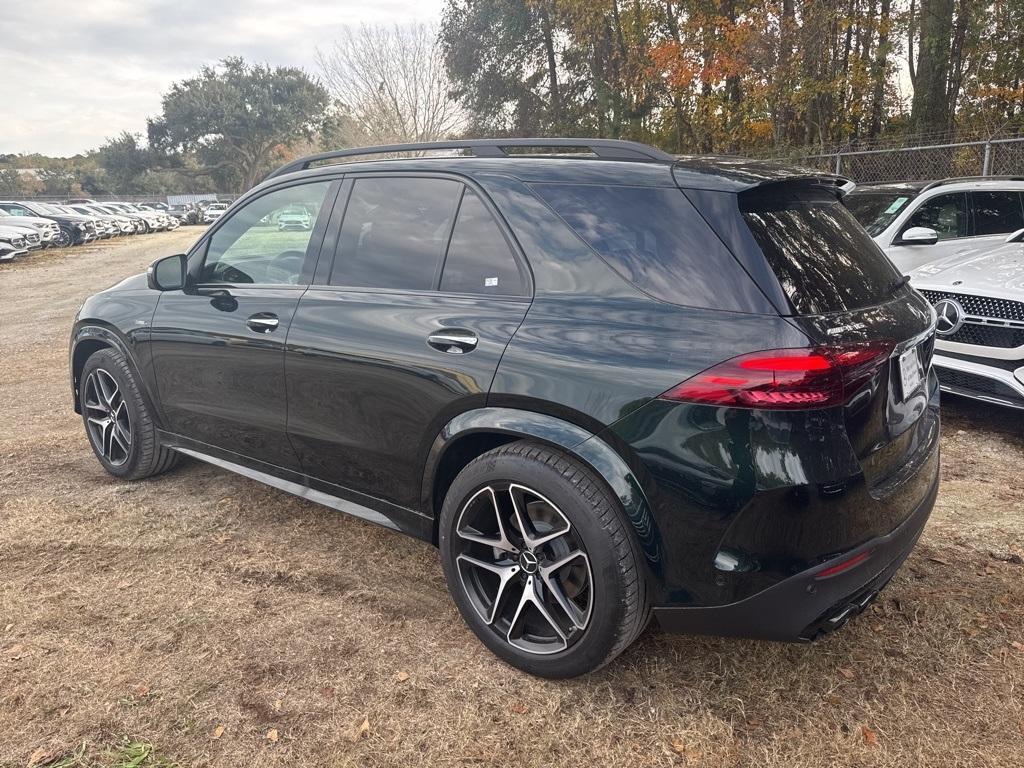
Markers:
{"x": 203, "y": 619}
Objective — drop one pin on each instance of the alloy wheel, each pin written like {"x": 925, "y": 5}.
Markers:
{"x": 62, "y": 239}
{"x": 107, "y": 417}
{"x": 524, "y": 568}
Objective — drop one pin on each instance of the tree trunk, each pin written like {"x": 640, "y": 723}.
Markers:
{"x": 879, "y": 72}
{"x": 555, "y": 104}
{"x": 929, "y": 112}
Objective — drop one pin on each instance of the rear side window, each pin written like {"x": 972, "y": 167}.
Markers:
{"x": 998, "y": 213}
{"x": 946, "y": 214}
{"x": 822, "y": 257}
{"x": 395, "y": 232}
{"x": 656, "y": 239}
{"x": 479, "y": 258}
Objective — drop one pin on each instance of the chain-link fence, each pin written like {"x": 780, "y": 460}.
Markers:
{"x": 994, "y": 157}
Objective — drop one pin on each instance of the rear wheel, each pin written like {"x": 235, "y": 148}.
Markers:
{"x": 541, "y": 562}
{"x": 117, "y": 421}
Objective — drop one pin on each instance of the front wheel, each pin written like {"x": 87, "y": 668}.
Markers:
{"x": 120, "y": 428}
{"x": 541, "y": 562}
{"x": 62, "y": 239}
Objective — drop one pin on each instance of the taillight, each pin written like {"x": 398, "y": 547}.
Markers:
{"x": 815, "y": 377}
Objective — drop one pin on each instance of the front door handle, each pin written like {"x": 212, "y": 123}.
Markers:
{"x": 263, "y": 322}
{"x": 454, "y": 342}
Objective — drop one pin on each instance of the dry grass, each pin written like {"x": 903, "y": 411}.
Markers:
{"x": 160, "y": 612}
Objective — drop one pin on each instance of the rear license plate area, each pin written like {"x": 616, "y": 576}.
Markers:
{"x": 911, "y": 374}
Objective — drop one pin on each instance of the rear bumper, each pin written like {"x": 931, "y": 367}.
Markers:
{"x": 807, "y": 605}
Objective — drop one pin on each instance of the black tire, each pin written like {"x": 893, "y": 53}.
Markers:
{"x": 63, "y": 239}
{"x": 617, "y": 608}
{"x": 118, "y": 424}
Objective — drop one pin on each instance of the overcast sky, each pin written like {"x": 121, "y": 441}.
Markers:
{"x": 73, "y": 74}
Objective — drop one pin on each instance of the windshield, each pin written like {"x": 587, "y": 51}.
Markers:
{"x": 876, "y": 209}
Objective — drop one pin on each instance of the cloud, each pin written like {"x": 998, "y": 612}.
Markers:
{"x": 75, "y": 74}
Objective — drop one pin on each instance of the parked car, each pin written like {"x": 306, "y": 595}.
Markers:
{"x": 294, "y": 218}
{"x": 20, "y": 238}
{"x": 140, "y": 224}
{"x": 166, "y": 221}
{"x": 183, "y": 213}
{"x": 9, "y": 252}
{"x": 979, "y": 305}
{"x": 75, "y": 229}
{"x": 106, "y": 226}
{"x": 49, "y": 230}
{"x": 603, "y": 386}
{"x": 213, "y": 211}
{"x": 118, "y": 223}
{"x": 152, "y": 219}
{"x": 919, "y": 222}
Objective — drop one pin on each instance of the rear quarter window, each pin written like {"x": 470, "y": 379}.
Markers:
{"x": 822, "y": 257}
{"x": 654, "y": 238}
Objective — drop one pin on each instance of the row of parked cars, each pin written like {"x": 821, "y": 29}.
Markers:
{"x": 26, "y": 226}
{"x": 961, "y": 243}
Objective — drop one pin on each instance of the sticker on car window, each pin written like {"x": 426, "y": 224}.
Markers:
{"x": 896, "y": 204}
{"x": 490, "y": 282}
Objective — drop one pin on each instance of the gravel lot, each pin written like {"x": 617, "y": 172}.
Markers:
{"x": 226, "y": 623}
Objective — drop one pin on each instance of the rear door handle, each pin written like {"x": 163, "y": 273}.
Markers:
{"x": 454, "y": 342}
{"x": 263, "y": 322}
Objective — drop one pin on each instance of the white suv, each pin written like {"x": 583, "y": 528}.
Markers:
{"x": 919, "y": 222}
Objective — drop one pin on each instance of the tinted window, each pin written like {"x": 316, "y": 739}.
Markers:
{"x": 653, "y": 237}
{"x": 946, "y": 214}
{"x": 395, "y": 232}
{"x": 997, "y": 213}
{"x": 823, "y": 259}
{"x": 479, "y": 258}
{"x": 248, "y": 248}
{"x": 876, "y": 210}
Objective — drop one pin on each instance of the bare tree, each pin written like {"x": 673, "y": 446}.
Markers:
{"x": 392, "y": 84}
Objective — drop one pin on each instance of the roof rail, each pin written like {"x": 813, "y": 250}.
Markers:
{"x": 957, "y": 179}
{"x": 604, "y": 149}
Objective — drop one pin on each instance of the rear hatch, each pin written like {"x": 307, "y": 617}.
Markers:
{"x": 828, "y": 277}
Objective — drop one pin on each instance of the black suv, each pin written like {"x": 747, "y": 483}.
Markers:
{"x": 604, "y": 385}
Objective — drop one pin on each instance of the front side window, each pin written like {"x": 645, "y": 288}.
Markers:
{"x": 395, "y": 233}
{"x": 946, "y": 214}
{"x": 998, "y": 213}
{"x": 248, "y": 248}
{"x": 479, "y": 258}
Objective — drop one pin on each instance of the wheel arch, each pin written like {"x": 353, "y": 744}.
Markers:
{"x": 475, "y": 432}
{"x": 91, "y": 337}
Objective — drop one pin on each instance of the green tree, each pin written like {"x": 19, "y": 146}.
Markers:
{"x": 238, "y": 117}
{"x": 125, "y": 160}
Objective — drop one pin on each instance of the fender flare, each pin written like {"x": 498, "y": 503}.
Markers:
{"x": 580, "y": 443}
{"x": 91, "y": 331}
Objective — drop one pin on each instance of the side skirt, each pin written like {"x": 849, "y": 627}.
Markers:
{"x": 388, "y": 515}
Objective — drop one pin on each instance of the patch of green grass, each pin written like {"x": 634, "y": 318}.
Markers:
{"x": 136, "y": 754}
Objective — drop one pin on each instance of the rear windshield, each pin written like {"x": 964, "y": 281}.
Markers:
{"x": 655, "y": 238}
{"x": 823, "y": 258}
{"x": 876, "y": 210}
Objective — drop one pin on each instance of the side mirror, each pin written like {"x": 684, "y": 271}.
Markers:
{"x": 168, "y": 273}
{"x": 919, "y": 236}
